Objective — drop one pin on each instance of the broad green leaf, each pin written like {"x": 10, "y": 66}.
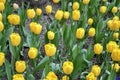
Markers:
{"x": 41, "y": 65}
{"x": 31, "y": 77}
{"x": 8, "y": 69}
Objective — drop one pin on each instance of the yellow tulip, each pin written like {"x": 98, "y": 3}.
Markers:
{"x": 15, "y": 39}
{"x": 20, "y": 66}
{"x": 67, "y": 67}
{"x": 32, "y": 53}
{"x": 50, "y": 49}
{"x": 98, "y": 48}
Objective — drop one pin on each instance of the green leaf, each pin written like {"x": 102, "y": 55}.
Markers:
{"x": 41, "y": 65}
{"x": 0, "y": 35}
{"x": 8, "y": 69}
{"x": 31, "y": 77}
{"x": 112, "y": 76}
{"x": 6, "y": 35}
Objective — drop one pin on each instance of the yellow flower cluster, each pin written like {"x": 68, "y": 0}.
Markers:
{"x": 111, "y": 46}
{"x": 35, "y": 28}
{"x": 95, "y": 72}
{"x": 50, "y": 49}
{"x": 98, "y": 48}
{"x": 51, "y": 76}
{"x": 32, "y": 53}
{"x": 2, "y": 58}
{"x": 67, "y": 67}
{"x": 20, "y": 66}
{"x": 14, "y": 19}
{"x": 115, "y": 54}
{"x": 15, "y": 39}
{"x": 18, "y": 77}
{"x": 114, "y": 24}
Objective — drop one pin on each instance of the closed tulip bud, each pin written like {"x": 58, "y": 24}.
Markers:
{"x": 14, "y": 19}
{"x": 15, "y": 39}
{"x": 66, "y": 15}
{"x": 59, "y": 15}
{"x": 15, "y": 6}
{"x": 0, "y": 17}
{"x": 35, "y": 28}
{"x": 32, "y": 53}
{"x": 38, "y": 29}
{"x": 91, "y": 32}
{"x": 50, "y": 35}
{"x": 18, "y": 77}
{"x": 86, "y": 1}
{"x": 51, "y": 76}
{"x": 111, "y": 46}
{"x": 98, "y": 48}
{"x": 50, "y": 49}
{"x": 75, "y": 6}
{"x": 56, "y": 1}
{"x": 65, "y": 78}
{"x": 103, "y": 9}
{"x": 48, "y": 9}
{"x": 38, "y": 11}
{"x": 91, "y": 76}
{"x": 20, "y": 66}
{"x": 4, "y": 1}
{"x": 116, "y": 18}
{"x": 67, "y": 67}
{"x": 116, "y": 35}
{"x": 114, "y": 10}
{"x": 115, "y": 55}
{"x": 2, "y": 58}
{"x": 30, "y": 13}
{"x": 80, "y": 33}
{"x": 76, "y": 15}
{"x": 96, "y": 70}
{"x": 116, "y": 67}
{"x": 2, "y": 6}
{"x": 90, "y": 21}
{"x": 1, "y": 26}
